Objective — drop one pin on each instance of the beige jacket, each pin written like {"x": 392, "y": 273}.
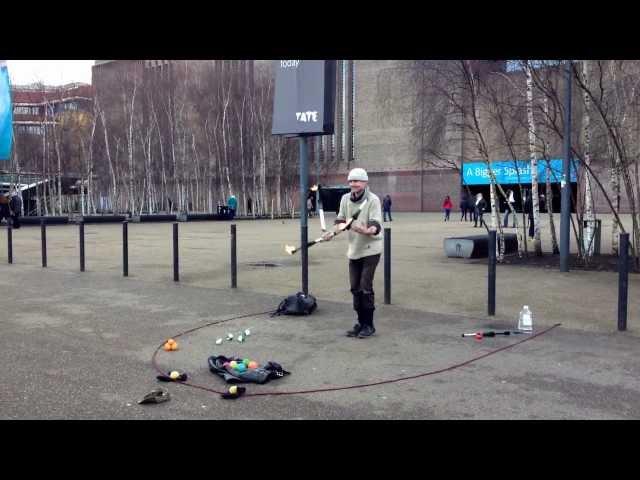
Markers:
{"x": 371, "y": 214}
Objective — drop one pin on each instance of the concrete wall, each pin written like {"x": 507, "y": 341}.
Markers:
{"x": 384, "y": 145}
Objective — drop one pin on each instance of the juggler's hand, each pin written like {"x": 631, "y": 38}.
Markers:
{"x": 327, "y": 236}
{"x": 359, "y": 228}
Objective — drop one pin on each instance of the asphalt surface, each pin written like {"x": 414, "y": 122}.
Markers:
{"x": 79, "y": 345}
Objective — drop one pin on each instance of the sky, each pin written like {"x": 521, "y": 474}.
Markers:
{"x": 49, "y": 72}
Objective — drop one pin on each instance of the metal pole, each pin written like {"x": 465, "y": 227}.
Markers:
{"x": 234, "y": 259}
{"x": 387, "y": 266}
{"x": 317, "y": 155}
{"x": 9, "y": 244}
{"x": 125, "y": 249}
{"x": 43, "y": 237}
{"x": 81, "y": 225}
{"x": 491, "y": 310}
{"x": 176, "y": 269}
{"x": 565, "y": 219}
{"x": 623, "y": 281}
{"x": 304, "y": 189}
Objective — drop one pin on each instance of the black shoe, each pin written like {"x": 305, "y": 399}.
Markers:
{"x": 366, "y": 331}
{"x": 157, "y": 395}
{"x": 355, "y": 330}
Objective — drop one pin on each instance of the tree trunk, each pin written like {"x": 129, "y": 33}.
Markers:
{"x": 56, "y": 146}
{"x": 242, "y": 150}
{"x": 589, "y": 217}
{"x": 114, "y": 185}
{"x": 537, "y": 244}
{"x": 90, "y": 203}
{"x": 130, "y": 148}
{"x": 44, "y": 170}
{"x": 615, "y": 188}
{"x": 552, "y": 227}
{"x": 225, "y": 146}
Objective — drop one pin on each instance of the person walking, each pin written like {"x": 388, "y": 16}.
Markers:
{"x": 309, "y": 207}
{"x": 386, "y": 208}
{"x": 543, "y": 203}
{"x": 528, "y": 209}
{"x": 510, "y": 203}
{"x": 15, "y": 205}
{"x": 5, "y": 211}
{"x": 447, "y": 206}
{"x": 365, "y": 247}
{"x": 479, "y": 208}
{"x": 232, "y": 203}
{"x": 470, "y": 207}
{"x": 463, "y": 206}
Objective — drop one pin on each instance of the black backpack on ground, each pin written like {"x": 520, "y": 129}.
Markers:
{"x": 262, "y": 374}
{"x": 298, "y": 304}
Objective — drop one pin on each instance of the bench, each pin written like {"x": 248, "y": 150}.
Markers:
{"x": 191, "y": 217}
{"x": 477, "y": 246}
{"x": 104, "y": 218}
{"x": 53, "y": 220}
{"x": 156, "y": 217}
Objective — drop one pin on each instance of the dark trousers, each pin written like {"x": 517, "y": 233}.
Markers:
{"x": 15, "y": 221}
{"x": 447, "y": 212}
{"x": 385, "y": 213}
{"x": 361, "y": 272}
{"x": 531, "y": 229}
{"x": 477, "y": 215}
{"x": 5, "y": 213}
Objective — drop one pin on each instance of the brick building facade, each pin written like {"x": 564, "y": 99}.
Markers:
{"x": 35, "y": 106}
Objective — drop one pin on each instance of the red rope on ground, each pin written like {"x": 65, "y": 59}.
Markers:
{"x": 348, "y": 387}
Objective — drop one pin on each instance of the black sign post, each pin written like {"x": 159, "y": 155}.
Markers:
{"x": 304, "y": 106}
{"x": 304, "y": 229}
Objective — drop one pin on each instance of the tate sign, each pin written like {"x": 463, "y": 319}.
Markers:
{"x": 304, "y": 101}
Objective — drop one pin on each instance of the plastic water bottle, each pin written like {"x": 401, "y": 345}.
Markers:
{"x": 525, "y": 320}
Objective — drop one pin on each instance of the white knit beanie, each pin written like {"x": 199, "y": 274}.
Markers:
{"x": 358, "y": 174}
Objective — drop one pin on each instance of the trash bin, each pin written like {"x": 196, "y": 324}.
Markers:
{"x": 597, "y": 229}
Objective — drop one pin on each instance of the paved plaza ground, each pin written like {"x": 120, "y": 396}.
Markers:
{"x": 79, "y": 345}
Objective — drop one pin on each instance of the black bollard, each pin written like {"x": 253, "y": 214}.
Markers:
{"x": 623, "y": 281}
{"x": 492, "y": 273}
{"x": 9, "y": 244}
{"x": 304, "y": 258}
{"x": 43, "y": 236}
{"x": 125, "y": 250}
{"x": 387, "y": 266}
{"x": 81, "y": 230}
{"x": 234, "y": 262}
{"x": 176, "y": 272}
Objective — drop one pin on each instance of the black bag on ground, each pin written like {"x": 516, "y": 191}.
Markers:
{"x": 262, "y": 374}
{"x": 298, "y": 304}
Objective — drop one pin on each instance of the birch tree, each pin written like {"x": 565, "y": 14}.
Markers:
{"x": 537, "y": 244}
{"x": 589, "y": 217}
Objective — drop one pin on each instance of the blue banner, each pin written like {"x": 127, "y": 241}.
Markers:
{"x": 6, "y": 114}
{"x": 477, "y": 173}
